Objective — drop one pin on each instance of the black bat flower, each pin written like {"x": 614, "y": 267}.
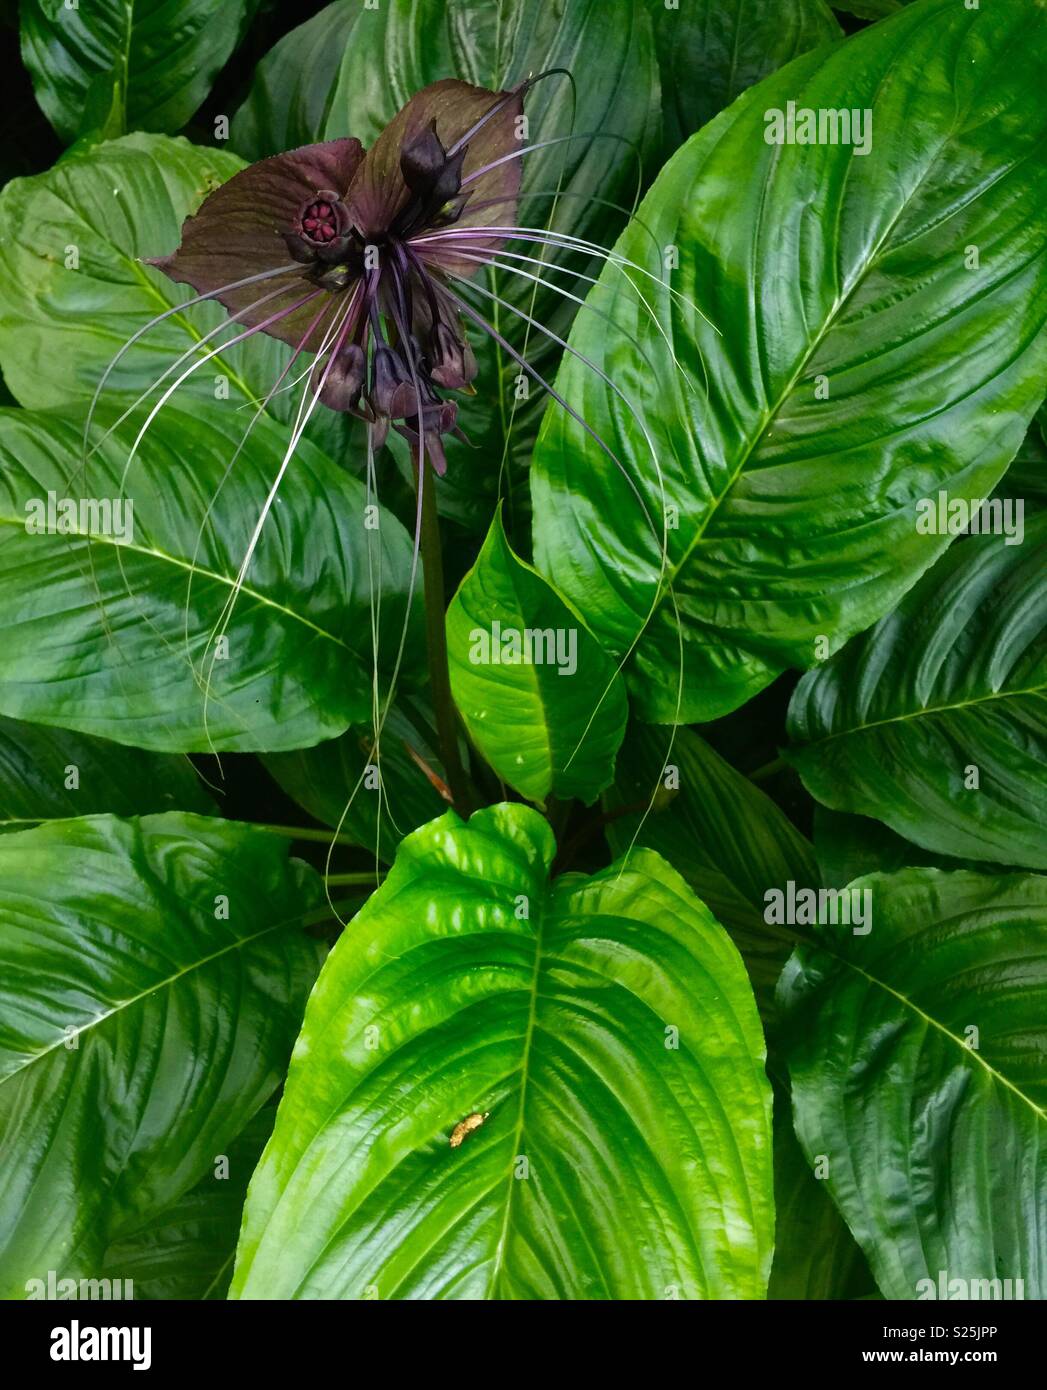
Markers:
{"x": 372, "y": 237}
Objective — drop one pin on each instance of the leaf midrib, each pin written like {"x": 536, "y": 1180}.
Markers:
{"x": 168, "y": 982}
{"x": 227, "y": 580}
{"x": 860, "y": 275}
{"x": 927, "y": 1018}
{"x": 857, "y": 729}
{"x": 498, "y": 1262}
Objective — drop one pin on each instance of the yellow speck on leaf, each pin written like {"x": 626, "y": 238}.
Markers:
{"x": 466, "y": 1126}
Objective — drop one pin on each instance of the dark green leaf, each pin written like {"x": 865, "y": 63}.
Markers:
{"x": 97, "y": 636}
{"x": 186, "y": 1251}
{"x": 936, "y": 720}
{"x": 729, "y": 840}
{"x": 710, "y": 51}
{"x": 815, "y": 1255}
{"x": 159, "y": 62}
{"x": 153, "y": 977}
{"x": 849, "y": 847}
{"x": 916, "y": 1057}
{"x": 331, "y": 781}
{"x": 49, "y": 774}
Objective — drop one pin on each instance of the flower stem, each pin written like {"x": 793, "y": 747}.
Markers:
{"x": 436, "y": 644}
{"x": 768, "y": 770}
{"x": 303, "y": 833}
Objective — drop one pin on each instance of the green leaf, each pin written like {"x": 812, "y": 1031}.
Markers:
{"x": 788, "y": 516}
{"x": 51, "y": 774}
{"x": 850, "y": 846}
{"x": 160, "y": 64}
{"x": 142, "y": 1026}
{"x": 709, "y": 52}
{"x": 610, "y": 1165}
{"x": 330, "y": 781}
{"x": 815, "y": 1256}
{"x": 916, "y": 1057}
{"x": 345, "y": 71}
{"x": 186, "y": 1251}
{"x": 540, "y": 699}
{"x": 1026, "y": 478}
{"x": 97, "y": 636}
{"x": 729, "y": 840}
{"x": 73, "y": 289}
{"x": 936, "y": 721}
{"x": 349, "y": 69}
{"x": 869, "y": 9}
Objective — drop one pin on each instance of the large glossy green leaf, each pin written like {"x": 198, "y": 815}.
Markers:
{"x": 859, "y": 366}
{"x": 815, "y": 1255}
{"x": 540, "y": 699}
{"x": 372, "y": 795}
{"x": 610, "y": 1165}
{"x": 186, "y": 1250}
{"x": 916, "y": 1058}
{"x": 51, "y": 774}
{"x": 73, "y": 290}
{"x": 869, "y": 9}
{"x": 96, "y": 636}
{"x": 158, "y": 61}
{"x": 153, "y": 977}
{"x": 1026, "y": 478}
{"x": 674, "y": 793}
{"x": 710, "y": 51}
{"x": 349, "y": 69}
{"x": 936, "y": 720}
{"x": 848, "y": 847}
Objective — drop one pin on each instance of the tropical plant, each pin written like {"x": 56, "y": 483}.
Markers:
{"x": 523, "y": 710}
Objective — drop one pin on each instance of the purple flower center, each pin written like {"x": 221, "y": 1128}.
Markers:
{"x": 319, "y": 223}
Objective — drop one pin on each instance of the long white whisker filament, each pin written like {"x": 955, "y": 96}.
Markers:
{"x": 341, "y": 328}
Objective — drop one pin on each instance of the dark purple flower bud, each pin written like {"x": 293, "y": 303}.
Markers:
{"x": 345, "y": 379}
{"x": 438, "y": 419}
{"x": 393, "y": 394}
{"x": 422, "y": 160}
{"x": 454, "y": 365}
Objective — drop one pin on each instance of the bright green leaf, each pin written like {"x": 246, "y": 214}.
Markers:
{"x": 861, "y": 365}
{"x": 611, "y": 1163}
{"x": 540, "y": 699}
